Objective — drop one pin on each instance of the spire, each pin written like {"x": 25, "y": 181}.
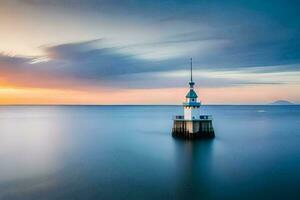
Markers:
{"x": 191, "y": 95}
{"x": 191, "y": 83}
{"x": 191, "y": 69}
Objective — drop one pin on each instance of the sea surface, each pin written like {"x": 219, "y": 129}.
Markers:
{"x": 127, "y": 152}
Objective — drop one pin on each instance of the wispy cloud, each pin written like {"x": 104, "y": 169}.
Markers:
{"x": 92, "y": 64}
{"x": 147, "y": 44}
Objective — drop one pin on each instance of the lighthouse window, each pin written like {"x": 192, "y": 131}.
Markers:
{"x": 193, "y": 99}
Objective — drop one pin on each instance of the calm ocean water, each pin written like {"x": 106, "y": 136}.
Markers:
{"x": 127, "y": 152}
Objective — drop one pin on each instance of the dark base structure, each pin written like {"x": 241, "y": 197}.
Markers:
{"x": 193, "y": 129}
{"x": 188, "y": 135}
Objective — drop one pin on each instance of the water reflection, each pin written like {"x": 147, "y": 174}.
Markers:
{"x": 194, "y": 163}
{"x": 30, "y": 142}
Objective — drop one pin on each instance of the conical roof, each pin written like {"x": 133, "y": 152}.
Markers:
{"x": 191, "y": 94}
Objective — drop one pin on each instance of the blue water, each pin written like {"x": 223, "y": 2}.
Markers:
{"x": 127, "y": 152}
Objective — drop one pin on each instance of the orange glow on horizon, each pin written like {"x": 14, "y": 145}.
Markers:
{"x": 230, "y": 95}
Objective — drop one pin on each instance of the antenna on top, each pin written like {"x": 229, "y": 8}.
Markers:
{"x": 191, "y": 69}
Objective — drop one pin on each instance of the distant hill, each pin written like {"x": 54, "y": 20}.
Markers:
{"x": 282, "y": 103}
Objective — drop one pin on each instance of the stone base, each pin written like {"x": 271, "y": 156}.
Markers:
{"x": 199, "y": 135}
{"x": 193, "y": 129}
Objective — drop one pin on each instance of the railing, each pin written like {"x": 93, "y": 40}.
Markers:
{"x": 205, "y": 117}
{"x": 201, "y": 117}
{"x": 178, "y": 117}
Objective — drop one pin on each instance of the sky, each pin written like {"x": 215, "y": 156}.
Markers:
{"x": 138, "y": 51}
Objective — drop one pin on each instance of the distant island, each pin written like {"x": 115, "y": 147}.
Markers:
{"x": 282, "y": 103}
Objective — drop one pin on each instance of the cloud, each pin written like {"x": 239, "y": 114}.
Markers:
{"x": 236, "y": 34}
{"x": 91, "y": 64}
{"x": 146, "y": 41}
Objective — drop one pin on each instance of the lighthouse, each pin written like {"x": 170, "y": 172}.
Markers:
{"x": 191, "y": 106}
{"x": 192, "y": 124}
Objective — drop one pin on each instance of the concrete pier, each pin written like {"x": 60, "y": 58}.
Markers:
{"x": 192, "y": 129}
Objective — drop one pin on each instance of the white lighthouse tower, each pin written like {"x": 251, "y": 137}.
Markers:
{"x": 191, "y": 105}
{"x": 192, "y": 125}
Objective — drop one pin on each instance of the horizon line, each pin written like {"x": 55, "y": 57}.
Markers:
{"x": 269, "y": 104}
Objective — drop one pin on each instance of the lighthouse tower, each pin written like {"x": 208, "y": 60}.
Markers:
{"x": 192, "y": 125}
{"x": 191, "y": 105}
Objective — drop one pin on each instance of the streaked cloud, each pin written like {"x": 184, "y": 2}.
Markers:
{"x": 92, "y": 64}
{"x": 134, "y": 45}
